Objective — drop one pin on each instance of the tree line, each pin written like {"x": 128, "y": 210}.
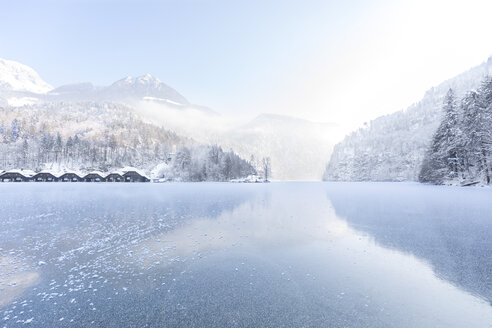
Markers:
{"x": 207, "y": 163}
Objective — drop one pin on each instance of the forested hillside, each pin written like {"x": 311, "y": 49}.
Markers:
{"x": 82, "y": 135}
{"x": 393, "y": 147}
{"x": 105, "y": 136}
{"x": 461, "y": 148}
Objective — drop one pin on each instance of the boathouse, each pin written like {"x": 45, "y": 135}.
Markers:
{"x": 16, "y": 175}
{"x": 115, "y": 177}
{"x": 129, "y": 174}
{"x": 94, "y": 176}
{"x": 71, "y": 176}
{"x": 134, "y": 175}
{"x": 45, "y": 176}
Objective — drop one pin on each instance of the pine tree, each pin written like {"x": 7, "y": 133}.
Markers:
{"x": 227, "y": 167}
{"x": 58, "y": 146}
{"x": 443, "y": 158}
{"x": 24, "y": 152}
{"x": 476, "y": 134}
{"x": 15, "y": 130}
{"x": 485, "y": 127}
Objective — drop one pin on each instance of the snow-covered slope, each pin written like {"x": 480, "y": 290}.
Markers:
{"x": 15, "y": 76}
{"x": 392, "y": 147}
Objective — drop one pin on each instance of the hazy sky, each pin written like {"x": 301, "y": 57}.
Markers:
{"x": 338, "y": 61}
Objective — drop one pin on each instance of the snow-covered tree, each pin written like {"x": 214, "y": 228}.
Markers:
{"x": 462, "y": 145}
{"x": 266, "y": 164}
{"x": 442, "y": 160}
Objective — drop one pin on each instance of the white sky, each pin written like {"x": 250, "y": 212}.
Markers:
{"x": 387, "y": 60}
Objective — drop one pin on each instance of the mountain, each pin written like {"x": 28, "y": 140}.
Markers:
{"x": 76, "y": 91}
{"x": 84, "y": 127}
{"x": 20, "y": 84}
{"x": 298, "y": 148}
{"x": 144, "y": 87}
{"x": 392, "y": 147}
{"x": 15, "y": 76}
{"x": 129, "y": 90}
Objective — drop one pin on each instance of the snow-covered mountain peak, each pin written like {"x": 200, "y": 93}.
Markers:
{"x": 145, "y": 86}
{"x": 15, "y": 76}
{"x": 146, "y": 79}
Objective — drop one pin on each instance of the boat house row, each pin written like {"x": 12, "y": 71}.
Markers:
{"x": 124, "y": 175}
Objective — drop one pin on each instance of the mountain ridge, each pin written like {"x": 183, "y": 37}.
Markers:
{"x": 21, "y": 85}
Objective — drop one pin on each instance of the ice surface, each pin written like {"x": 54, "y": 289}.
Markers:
{"x": 263, "y": 255}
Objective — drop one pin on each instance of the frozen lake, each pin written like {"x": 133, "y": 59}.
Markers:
{"x": 245, "y": 255}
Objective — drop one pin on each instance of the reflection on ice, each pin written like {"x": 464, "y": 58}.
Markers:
{"x": 448, "y": 227}
{"x": 14, "y": 280}
{"x": 280, "y": 222}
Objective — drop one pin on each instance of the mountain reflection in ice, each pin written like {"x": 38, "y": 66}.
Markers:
{"x": 220, "y": 255}
{"x": 448, "y": 227}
